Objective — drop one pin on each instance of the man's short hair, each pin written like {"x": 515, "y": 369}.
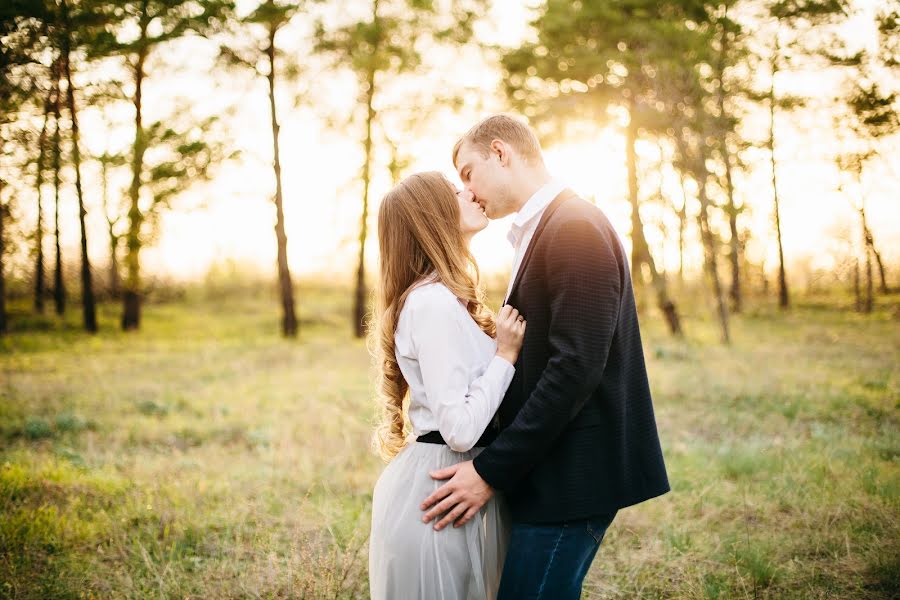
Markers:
{"x": 501, "y": 127}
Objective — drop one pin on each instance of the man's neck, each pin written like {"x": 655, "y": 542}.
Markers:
{"x": 530, "y": 184}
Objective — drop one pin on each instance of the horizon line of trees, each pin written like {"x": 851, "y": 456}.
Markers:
{"x": 684, "y": 75}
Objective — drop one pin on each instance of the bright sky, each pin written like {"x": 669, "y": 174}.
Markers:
{"x": 233, "y": 216}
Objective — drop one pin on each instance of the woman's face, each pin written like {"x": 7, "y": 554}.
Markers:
{"x": 471, "y": 216}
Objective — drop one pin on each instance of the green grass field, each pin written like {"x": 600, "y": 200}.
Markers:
{"x": 206, "y": 457}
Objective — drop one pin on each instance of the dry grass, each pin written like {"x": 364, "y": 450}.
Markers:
{"x": 205, "y": 457}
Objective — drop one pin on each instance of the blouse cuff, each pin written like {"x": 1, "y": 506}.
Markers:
{"x": 503, "y": 370}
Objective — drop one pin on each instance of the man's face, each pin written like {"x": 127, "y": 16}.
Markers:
{"x": 487, "y": 178}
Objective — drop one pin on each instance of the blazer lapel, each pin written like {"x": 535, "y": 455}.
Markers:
{"x": 564, "y": 195}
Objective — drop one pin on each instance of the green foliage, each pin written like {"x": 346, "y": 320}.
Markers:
{"x": 37, "y": 428}
{"x": 591, "y": 55}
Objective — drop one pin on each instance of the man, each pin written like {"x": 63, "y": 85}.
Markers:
{"x": 576, "y": 436}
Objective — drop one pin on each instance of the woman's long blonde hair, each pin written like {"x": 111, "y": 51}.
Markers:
{"x": 419, "y": 235}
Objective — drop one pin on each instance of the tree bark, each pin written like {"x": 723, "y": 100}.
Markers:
{"x": 783, "y": 296}
{"x": 682, "y": 227}
{"x": 3, "y": 324}
{"x": 89, "y": 309}
{"x": 870, "y": 244}
{"x": 709, "y": 246}
{"x": 131, "y": 310}
{"x": 359, "y": 300}
{"x": 640, "y": 251}
{"x": 114, "y": 279}
{"x": 59, "y": 289}
{"x": 39, "y": 276}
{"x": 707, "y": 237}
{"x": 732, "y": 210}
{"x": 289, "y": 320}
{"x": 868, "y": 299}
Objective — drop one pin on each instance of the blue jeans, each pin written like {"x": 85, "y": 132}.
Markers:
{"x": 550, "y": 561}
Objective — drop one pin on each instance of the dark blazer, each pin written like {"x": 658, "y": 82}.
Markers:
{"x": 576, "y": 436}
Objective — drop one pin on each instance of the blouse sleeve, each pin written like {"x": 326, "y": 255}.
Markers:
{"x": 463, "y": 408}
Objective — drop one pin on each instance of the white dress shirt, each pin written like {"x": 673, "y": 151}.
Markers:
{"x": 456, "y": 381}
{"x": 526, "y": 222}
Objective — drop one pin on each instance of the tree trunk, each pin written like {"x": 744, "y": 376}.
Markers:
{"x": 640, "y": 251}
{"x": 289, "y": 320}
{"x": 114, "y": 280}
{"x": 708, "y": 239}
{"x": 131, "y": 310}
{"x": 709, "y": 246}
{"x": 883, "y": 280}
{"x": 359, "y": 300}
{"x": 59, "y": 289}
{"x": 870, "y": 244}
{"x": 783, "y": 297}
{"x": 39, "y": 276}
{"x": 731, "y": 208}
{"x": 682, "y": 227}
{"x": 3, "y": 325}
{"x": 868, "y": 300}
{"x": 89, "y": 309}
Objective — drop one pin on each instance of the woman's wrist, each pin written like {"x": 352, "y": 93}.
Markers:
{"x": 508, "y": 356}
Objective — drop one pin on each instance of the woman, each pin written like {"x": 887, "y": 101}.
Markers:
{"x": 437, "y": 341}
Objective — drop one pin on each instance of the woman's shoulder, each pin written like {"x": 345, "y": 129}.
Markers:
{"x": 429, "y": 308}
{"x": 431, "y": 297}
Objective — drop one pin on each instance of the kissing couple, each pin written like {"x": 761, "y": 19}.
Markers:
{"x": 531, "y": 428}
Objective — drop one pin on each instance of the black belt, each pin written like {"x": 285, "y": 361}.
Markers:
{"x": 435, "y": 437}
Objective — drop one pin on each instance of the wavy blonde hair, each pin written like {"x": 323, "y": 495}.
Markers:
{"x": 419, "y": 235}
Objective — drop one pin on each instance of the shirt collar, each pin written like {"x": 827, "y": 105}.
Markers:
{"x": 534, "y": 208}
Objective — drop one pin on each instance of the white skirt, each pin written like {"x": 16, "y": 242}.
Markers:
{"x": 408, "y": 559}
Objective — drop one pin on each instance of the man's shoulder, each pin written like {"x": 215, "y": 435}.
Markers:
{"x": 577, "y": 208}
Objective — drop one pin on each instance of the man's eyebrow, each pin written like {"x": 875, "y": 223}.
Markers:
{"x": 463, "y": 168}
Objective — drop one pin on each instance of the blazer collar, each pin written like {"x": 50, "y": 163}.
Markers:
{"x": 563, "y": 196}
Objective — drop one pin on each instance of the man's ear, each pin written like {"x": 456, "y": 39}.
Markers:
{"x": 498, "y": 147}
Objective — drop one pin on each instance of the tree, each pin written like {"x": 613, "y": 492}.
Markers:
{"x": 21, "y": 33}
{"x": 694, "y": 154}
{"x": 590, "y": 56}
{"x": 39, "y": 276}
{"x": 385, "y": 44}
{"x": 867, "y": 116}
{"x": 59, "y": 282}
{"x": 70, "y": 28}
{"x": 271, "y": 17}
{"x": 155, "y": 23}
{"x": 798, "y": 17}
{"x": 113, "y": 217}
{"x": 729, "y": 52}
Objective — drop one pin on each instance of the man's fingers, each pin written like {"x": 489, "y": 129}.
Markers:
{"x": 436, "y": 496}
{"x": 467, "y": 517}
{"x": 451, "y": 516}
{"x": 445, "y": 473}
{"x": 445, "y": 505}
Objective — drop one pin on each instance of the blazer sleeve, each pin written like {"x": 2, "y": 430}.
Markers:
{"x": 584, "y": 291}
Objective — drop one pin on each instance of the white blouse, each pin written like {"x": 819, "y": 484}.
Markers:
{"x": 456, "y": 381}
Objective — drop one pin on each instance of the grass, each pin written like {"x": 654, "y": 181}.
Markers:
{"x": 206, "y": 457}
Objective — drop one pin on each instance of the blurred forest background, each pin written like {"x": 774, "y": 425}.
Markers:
{"x": 187, "y": 254}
